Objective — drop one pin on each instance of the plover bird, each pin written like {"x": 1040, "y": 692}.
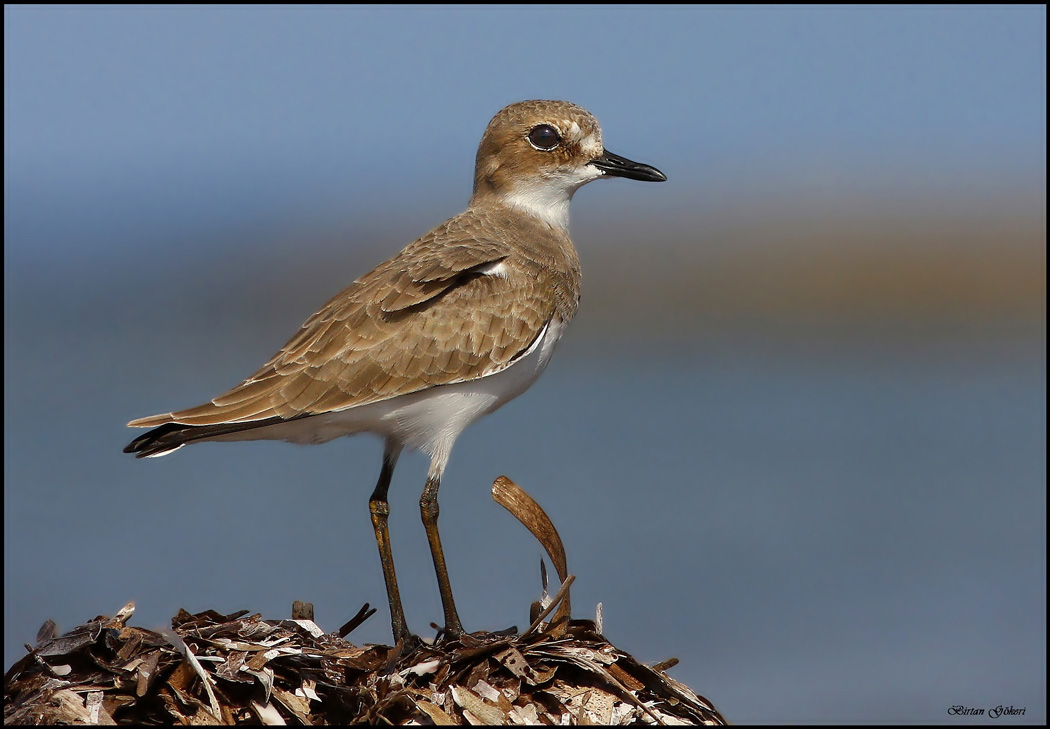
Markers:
{"x": 458, "y": 323}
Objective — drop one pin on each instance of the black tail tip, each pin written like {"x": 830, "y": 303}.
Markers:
{"x": 158, "y": 441}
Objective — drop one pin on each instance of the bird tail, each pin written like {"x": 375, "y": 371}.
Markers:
{"x": 169, "y": 437}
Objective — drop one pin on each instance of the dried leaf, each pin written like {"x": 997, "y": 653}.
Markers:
{"x": 482, "y": 713}
{"x": 525, "y": 509}
{"x": 295, "y": 704}
{"x": 436, "y": 713}
{"x": 47, "y": 631}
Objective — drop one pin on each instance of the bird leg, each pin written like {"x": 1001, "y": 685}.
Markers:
{"x": 428, "y": 507}
{"x": 380, "y": 511}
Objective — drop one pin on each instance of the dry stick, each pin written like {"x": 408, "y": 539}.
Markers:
{"x": 563, "y": 592}
{"x": 362, "y": 615}
{"x": 525, "y": 509}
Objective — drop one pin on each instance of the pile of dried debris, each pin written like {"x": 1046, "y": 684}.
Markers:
{"x": 231, "y": 669}
{"x": 239, "y": 668}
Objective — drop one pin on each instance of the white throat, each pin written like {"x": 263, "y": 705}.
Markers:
{"x": 546, "y": 202}
{"x": 547, "y": 197}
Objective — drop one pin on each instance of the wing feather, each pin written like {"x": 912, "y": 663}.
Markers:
{"x": 360, "y": 349}
{"x": 432, "y": 315}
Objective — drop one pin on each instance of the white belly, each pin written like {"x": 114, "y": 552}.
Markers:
{"x": 429, "y": 420}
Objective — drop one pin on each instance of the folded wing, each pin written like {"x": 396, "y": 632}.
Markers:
{"x": 449, "y": 315}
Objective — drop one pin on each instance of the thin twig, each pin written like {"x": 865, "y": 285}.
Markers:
{"x": 562, "y": 593}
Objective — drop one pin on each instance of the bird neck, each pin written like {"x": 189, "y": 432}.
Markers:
{"x": 537, "y": 199}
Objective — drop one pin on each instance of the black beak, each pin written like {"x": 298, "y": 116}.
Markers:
{"x": 616, "y": 166}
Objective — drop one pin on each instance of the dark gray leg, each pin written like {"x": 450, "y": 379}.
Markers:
{"x": 380, "y": 510}
{"x": 428, "y": 507}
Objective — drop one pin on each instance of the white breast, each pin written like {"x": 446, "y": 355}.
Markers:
{"x": 429, "y": 420}
{"x": 432, "y": 420}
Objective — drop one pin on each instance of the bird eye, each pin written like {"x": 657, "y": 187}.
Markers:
{"x": 544, "y": 137}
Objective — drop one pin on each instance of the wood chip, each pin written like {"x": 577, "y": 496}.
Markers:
{"x": 308, "y": 690}
{"x": 268, "y": 714}
{"x": 295, "y": 704}
{"x": 525, "y": 715}
{"x": 121, "y": 617}
{"x": 632, "y": 683}
{"x": 515, "y": 662}
{"x": 146, "y": 670}
{"x": 487, "y": 691}
{"x": 436, "y": 713}
{"x": 482, "y": 713}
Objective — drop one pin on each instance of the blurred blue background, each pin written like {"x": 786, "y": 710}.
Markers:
{"x": 795, "y": 437}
